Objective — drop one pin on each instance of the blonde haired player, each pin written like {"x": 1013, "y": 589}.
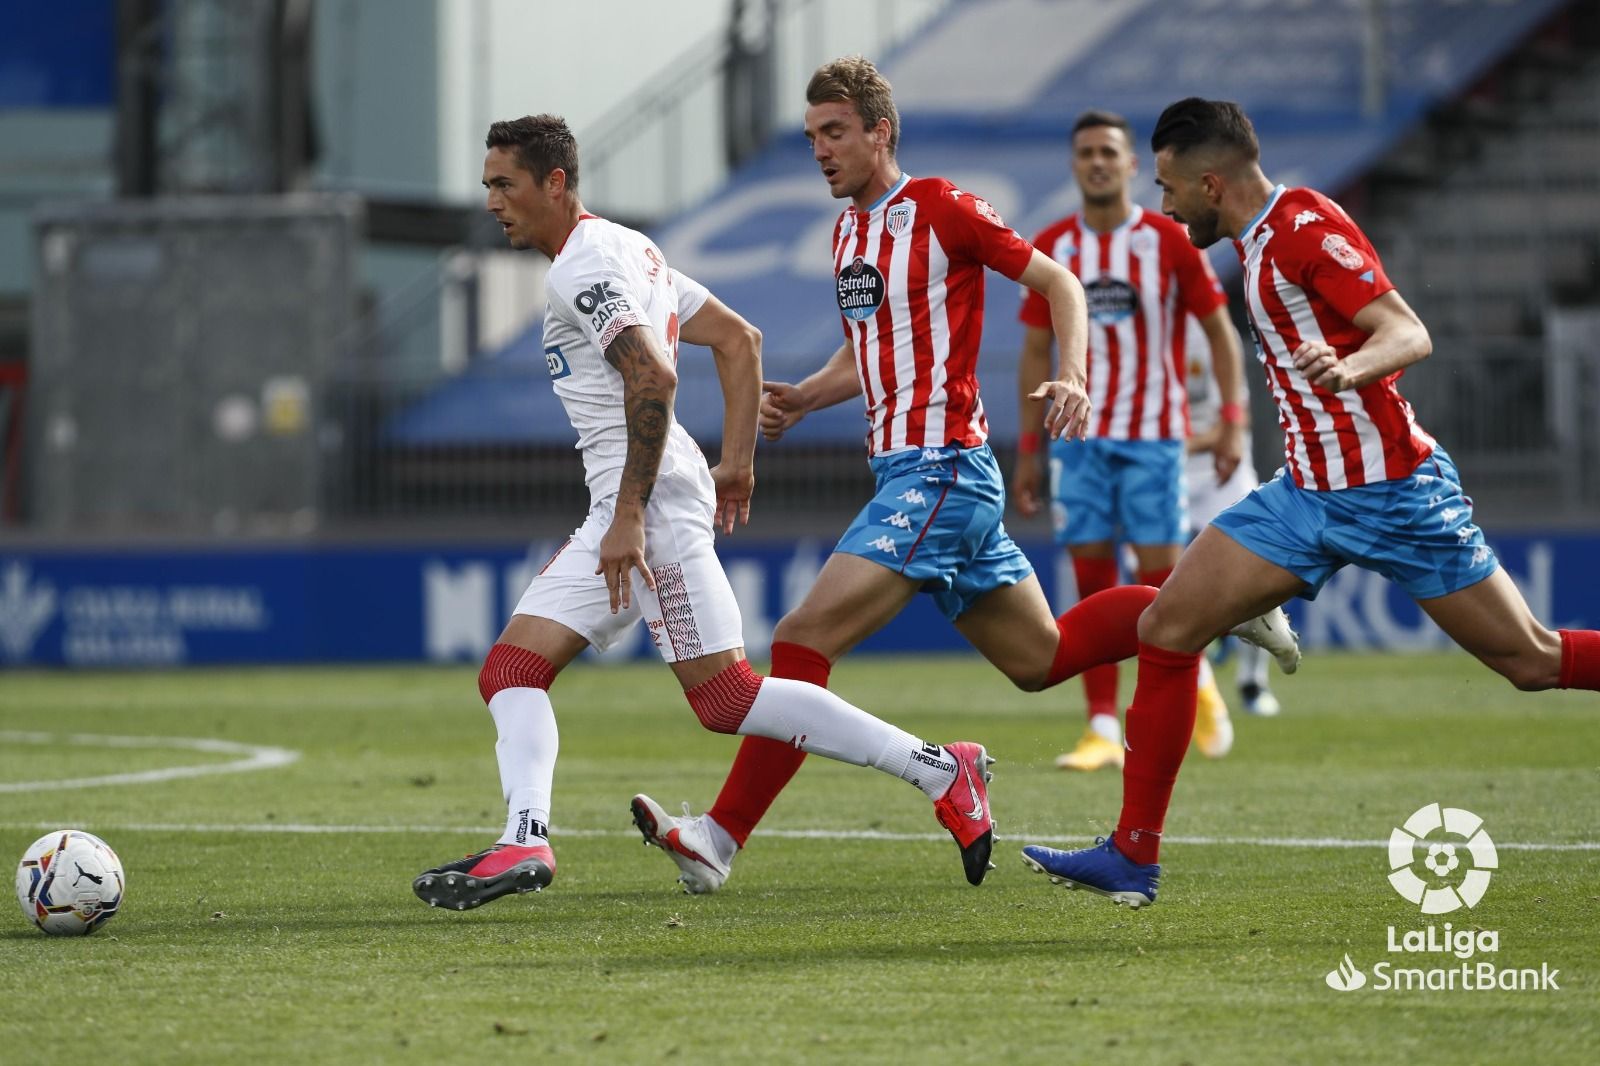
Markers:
{"x": 613, "y": 319}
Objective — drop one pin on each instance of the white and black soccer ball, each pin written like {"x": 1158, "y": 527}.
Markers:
{"x": 69, "y": 883}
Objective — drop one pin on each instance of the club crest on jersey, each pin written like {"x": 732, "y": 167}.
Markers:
{"x": 861, "y": 290}
{"x": 1341, "y": 251}
{"x": 1110, "y": 300}
{"x": 1143, "y": 242}
{"x": 898, "y": 220}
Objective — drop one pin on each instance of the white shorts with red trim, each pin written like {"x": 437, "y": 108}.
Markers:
{"x": 691, "y": 613}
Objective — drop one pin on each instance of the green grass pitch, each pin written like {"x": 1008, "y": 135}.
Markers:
{"x": 255, "y": 929}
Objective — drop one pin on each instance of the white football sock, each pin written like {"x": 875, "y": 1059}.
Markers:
{"x": 1107, "y": 726}
{"x": 815, "y": 720}
{"x": 1252, "y": 665}
{"x": 721, "y": 840}
{"x": 526, "y": 752}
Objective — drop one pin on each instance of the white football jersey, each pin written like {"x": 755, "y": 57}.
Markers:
{"x": 1205, "y": 399}
{"x": 605, "y": 278}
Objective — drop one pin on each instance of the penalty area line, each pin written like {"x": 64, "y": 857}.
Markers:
{"x": 557, "y": 831}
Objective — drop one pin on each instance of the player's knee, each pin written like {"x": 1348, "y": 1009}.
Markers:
{"x": 723, "y": 702}
{"x": 1154, "y": 626}
{"x": 1029, "y": 677}
{"x": 508, "y": 666}
{"x": 794, "y": 628}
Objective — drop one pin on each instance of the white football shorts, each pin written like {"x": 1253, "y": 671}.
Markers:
{"x": 1207, "y": 499}
{"x": 692, "y": 611}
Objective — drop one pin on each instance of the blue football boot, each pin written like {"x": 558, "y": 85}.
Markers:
{"x": 1101, "y": 869}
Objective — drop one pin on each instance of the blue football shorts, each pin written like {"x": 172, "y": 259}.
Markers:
{"x": 1135, "y": 491}
{"x": 936, "y": 518}
{"x": 1417, "y": 531}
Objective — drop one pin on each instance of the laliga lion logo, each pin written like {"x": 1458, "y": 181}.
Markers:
{"x": 1442, "y": 859}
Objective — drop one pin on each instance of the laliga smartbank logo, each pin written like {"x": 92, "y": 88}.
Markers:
{"x": 1441, "y": 861}
{"x": 1452, "y": 875}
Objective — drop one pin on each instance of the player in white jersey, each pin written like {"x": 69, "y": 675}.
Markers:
{"x": 1209, "y": 497}
{"x": 615, "y": 314}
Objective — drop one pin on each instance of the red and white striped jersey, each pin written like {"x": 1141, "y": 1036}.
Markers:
{"x": 1141, "y": 280}
{"x": 1308, "y": 270}
{"x": 909, "y": 276}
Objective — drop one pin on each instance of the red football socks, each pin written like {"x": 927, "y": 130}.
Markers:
{"x": 1160, "y": 723}
{"x": 1101, "y": 629}
{"x": 1580, "y": 659}
{"x": 1099, "y": 682}
{"x": 1155, "y": 577}
{"x": 763, "y": 767}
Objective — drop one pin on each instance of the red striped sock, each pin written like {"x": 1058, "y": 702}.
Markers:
{"x": 1160, "y": 723}
{"x": 763, "y": 767}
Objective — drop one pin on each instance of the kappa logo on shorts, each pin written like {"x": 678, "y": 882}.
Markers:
{"x": 899, "y": 520}
{"x": 885, "y": 545}
{"x": 913, "y": 497}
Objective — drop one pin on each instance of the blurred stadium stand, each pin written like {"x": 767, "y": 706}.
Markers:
{"x": 1329, "y": 116}
{"x": 352, "y": 357}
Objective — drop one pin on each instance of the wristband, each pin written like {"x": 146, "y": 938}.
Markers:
{"x": 1028, "y": 443}
{"x": 1232, "y": 413}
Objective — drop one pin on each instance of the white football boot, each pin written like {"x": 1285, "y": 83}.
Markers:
{"x": 687, "y": 839}
{"x": 1271, "y": 633}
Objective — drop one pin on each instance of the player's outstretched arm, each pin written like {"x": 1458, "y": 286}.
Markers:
{"x": 1396, "y": 339}
{"x": 783, "y": 404}
{"x": 648, "y": 386}
{"x": 1033, "y": 370}
{"x": 1227, "y": 366}
{"x": 1067, "y": 409}
{"x": 736, "y": 346}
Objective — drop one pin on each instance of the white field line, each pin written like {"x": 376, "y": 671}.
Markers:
{"x": 252, "y": 757}
{"x": 778, "y": 834}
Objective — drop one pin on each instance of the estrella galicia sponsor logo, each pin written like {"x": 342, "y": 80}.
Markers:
{"x": 1110, "y": 300}
{"x": 1440, "y": 861}
{"x": 861, "y": 289}
{"x": 589, "y": 300}
{"x": 557, "y": 362}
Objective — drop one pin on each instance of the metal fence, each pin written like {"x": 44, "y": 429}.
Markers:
{"x": 181, "y": 350}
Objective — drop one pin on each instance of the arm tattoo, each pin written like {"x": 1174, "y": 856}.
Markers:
{"x": 648, "y": 385}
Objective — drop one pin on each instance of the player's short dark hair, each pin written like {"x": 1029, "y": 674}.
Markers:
{"x": 855, "y": 79}
{"x": 1095, "y": 117}
{"x": 1195, "y": 123}
{"x": 542, "y": 143}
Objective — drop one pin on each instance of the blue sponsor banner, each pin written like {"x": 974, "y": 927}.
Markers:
{"x": 447, "y": 604}
{"x": 59, "y": 55}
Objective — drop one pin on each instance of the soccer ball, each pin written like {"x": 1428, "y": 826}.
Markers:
{"x": 69, "y": 883}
